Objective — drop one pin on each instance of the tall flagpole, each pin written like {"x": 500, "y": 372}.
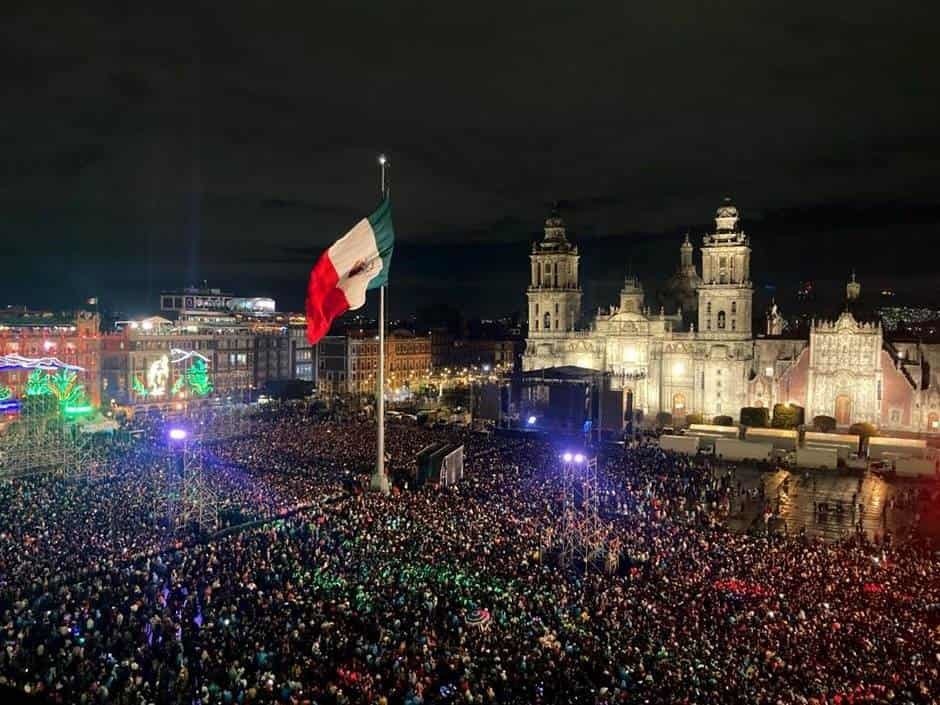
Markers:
{"x": 379, "y": 478}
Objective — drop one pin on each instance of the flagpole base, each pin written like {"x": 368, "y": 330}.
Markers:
{"x": 379, "y": 482}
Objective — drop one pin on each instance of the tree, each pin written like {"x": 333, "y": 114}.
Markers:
{"x": 824, "y": 424}
{"x": 663, "y": 418}
{"x": 197, "y": 376}
{"x": 787, "y": 416}
{"x": 723, "y": 421}
{"x": 755, "y": 417}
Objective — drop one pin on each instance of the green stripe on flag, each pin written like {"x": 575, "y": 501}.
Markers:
{"x": 381, "y": 223}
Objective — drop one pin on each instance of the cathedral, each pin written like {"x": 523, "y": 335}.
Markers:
{"x": 703, "y": 357}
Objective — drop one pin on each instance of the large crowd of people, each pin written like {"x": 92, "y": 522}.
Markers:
{"x": 313, "y": 591}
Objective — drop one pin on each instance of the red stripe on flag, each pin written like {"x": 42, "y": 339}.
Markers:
{"x": 325, "y": 301}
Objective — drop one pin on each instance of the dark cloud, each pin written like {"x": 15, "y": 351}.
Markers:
{"x": 207, "y": 144}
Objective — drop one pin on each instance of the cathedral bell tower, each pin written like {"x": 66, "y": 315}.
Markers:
{"x": 554, "y": 292}
{"x": 725, "y": 294}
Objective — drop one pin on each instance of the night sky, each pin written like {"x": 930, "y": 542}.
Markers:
{"x": 146, "y": 151}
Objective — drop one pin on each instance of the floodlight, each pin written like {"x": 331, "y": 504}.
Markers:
{"x": 178, "y": 434}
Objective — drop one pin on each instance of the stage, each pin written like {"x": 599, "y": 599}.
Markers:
{"x": 566, "y": 400}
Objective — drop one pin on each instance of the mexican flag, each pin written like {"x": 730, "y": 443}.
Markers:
{"x": 356, "y": 262}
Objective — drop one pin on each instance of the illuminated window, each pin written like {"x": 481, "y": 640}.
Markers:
{"x": 721, "y": 320}
{"x": 769, "y": 371}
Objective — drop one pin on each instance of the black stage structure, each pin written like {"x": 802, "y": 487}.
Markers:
{"x": 567, "y": 400}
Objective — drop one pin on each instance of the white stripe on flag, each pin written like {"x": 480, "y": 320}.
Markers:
{"x": 355, "y": 257}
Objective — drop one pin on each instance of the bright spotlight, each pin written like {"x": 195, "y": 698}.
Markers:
{"x": 383, "y": 159}
{"x": 178, "y": 434}
{"x": 567, "y": 457}
{"x": 531, "y": 421}
{"x": 578, "y": 458}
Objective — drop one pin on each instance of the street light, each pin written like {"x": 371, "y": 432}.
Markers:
{"x": 578, "y": 458}
{"x": 531, "y": 420}
{"x": 567, "y": 457}
{"x": 178, "y": 434}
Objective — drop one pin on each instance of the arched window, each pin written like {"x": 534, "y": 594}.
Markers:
{"x": 548, "y": 321}
{"x": 721, "y": 320}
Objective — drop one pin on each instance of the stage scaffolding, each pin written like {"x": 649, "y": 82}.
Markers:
{"x": 188, "y": 498}
{"x": 37, "y": 432}
{"x": 581, "y": 537}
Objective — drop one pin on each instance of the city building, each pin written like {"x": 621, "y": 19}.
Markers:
{"x": 73, "y": 338}
{"x": 348, "y": 364}
{"x": 704, "y": 358}
{"x": 450, "y": 351}
{"x": 156, "y": 363}
{"x": 192, "y": 300}
{"x": 303, "y": 355}
{"x": 332, "y": 357}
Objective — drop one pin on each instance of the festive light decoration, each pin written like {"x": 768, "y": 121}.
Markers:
{"x": 177, "y": 356}
{"x": 36, "y": 384}
{"x": 157, "y": 376}
{"x": 177, "y": 386}
{"x": 46, "y": 364}
{"x": 65, "y": 388}
{"x": 78, "y": 410}
{"x": 5, "y": 393}
{"x": 198, "y": 378}
{"x": 139, "y": 388}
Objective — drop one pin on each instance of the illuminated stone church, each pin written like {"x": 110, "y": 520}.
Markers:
{"x": 703, "y": 356}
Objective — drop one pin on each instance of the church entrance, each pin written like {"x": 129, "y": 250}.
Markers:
{"x": 933, "y": 422}
{"x": 843, "y": 410}
{"x": 678, "y": 406}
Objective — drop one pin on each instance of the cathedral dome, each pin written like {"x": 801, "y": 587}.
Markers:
{"x": 680, "y": 290}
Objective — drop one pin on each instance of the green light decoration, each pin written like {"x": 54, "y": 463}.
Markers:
{"x": 78, "y": 410}
{"x": 139, "y": 388}
{"x": 198, "y": 378}
{"x": 5, "y": 393}
{"x": 65, "y": 388}
{"x": 177, "y": 386}
{"x": 36, "y": 384}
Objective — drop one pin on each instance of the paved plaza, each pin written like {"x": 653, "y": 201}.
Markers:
{"x": 825, "y": 504}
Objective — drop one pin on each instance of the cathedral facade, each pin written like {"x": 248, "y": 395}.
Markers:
{"x": 704, "y": 358}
